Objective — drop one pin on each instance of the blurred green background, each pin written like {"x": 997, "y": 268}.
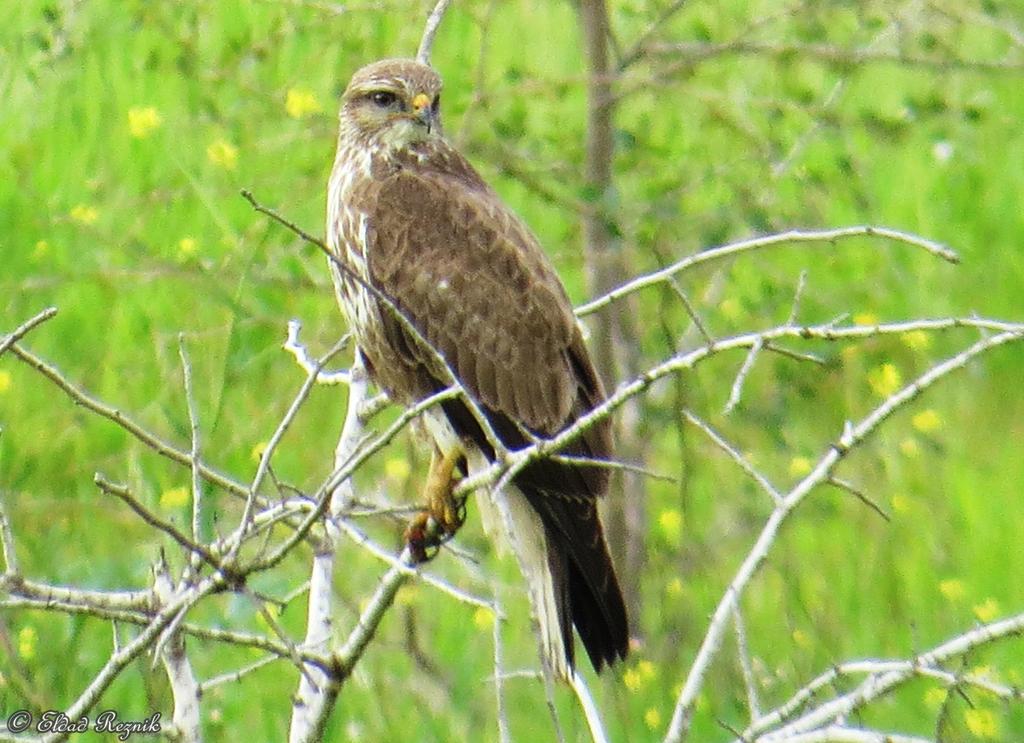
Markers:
{"x": 126, "y": 131}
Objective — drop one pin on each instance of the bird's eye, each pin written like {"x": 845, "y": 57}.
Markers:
{"x": 383, "y": 98}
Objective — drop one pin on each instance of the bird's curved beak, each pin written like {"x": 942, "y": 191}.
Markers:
{"x": 423, "y": 110}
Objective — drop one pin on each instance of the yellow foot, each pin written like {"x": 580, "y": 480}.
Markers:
{"x": 444, "y": 513}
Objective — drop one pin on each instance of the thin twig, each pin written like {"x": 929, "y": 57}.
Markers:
{"x": 859, "y": 495}
{"x": 756, "y": 243}
{"x": 295, "y": 347}
{"x": 504, "y": 731}
{"x": 590, "y": 711}
{"x": 7, "y": 544}
{"x": 125, "y": 496}
{"x": 695, "y": 52}
{"x": 746, "y": 667}
{"x": 741, "y": 376}
{"x": 236, "y": 675}
{"x": 22, "y": 330}
{"x": 430, "y": 31}
{"x": 154, "y": 442}
{"x": 245, "y": 522}
{"x": 193, "y": 419}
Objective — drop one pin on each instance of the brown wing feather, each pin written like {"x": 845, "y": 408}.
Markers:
{"x": 474, "y": 282}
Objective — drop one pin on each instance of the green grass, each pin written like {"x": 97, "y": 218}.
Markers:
{"x": 138, "y": 240}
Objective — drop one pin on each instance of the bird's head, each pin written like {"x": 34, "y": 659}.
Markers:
{"x": 392, "y": 105}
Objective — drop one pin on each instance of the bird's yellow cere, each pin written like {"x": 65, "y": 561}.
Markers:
{"x": 421, "y": 101}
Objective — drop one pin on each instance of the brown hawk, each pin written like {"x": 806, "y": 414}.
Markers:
{"x": 411, "y": 218}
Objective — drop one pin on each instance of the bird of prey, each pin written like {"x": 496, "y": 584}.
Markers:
{"x": 419, "y": 242}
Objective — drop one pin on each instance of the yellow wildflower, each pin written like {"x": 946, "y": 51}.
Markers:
{"x": 987, "y": 610}
{"x": 927, "y": 421}
{"x": 142, "y": 120}
{"x": 406, "y": 595}
{"x": 5, "y": 381}
{"x": 982, "y": 723}
{"x": 396, "y": 469}
{"x": 271, "y": 610}
{"x": 865, "y": 318}
{"x": 174, "y": 498}
{"x": 223, "y": 153}
{"x": 799, "y": 466}
{"x": 670, "y": 521}
{"x": 85, "y": 214}
{"x": 187, "y": 246}
{"x": 885, "y": 379}
{"x": 652, "y": 718}
{"x": 988, "y": 673}
{"x": 909, "y": 447}
{"x": 952, "y": 589}
{"x": 257, "y": 451}
{"x": 632, "y": 679}
{"x": 483, "y": 618}
{"x": 935, "y": 697}
{"x": 27, "y": 641}
{"x": 40, "y": 250}
{"x": 801, "y": 639}
{"x": 300, "y": 103}
{"x": 646, "y": 669}
{"x": 730, "y": 308}
{"x": 917, "y": 340}
{"x": 901, "y": 503}
{"x": 675, "y": 587}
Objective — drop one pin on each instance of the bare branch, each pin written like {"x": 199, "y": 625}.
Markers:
{"x": 694, "y": 52}
{"x": 504, "y": 732}
{"x": 22, "y": 330}
{"x": 193, "y": 419}
{"x": 141, "y": 601}
{"x": 430, "y": 31}
{"x": 852, "y": 436}
{"x": 352, "y": 650}
{"x": 154, "y": 442}
{"x": 736, "y": 456}
{"x": 264, "y": 464}
{"x": 756, "y": 243}
{"x": 637, "y": 51}
{"x": 883, "y": 677}
{"x": 247, "y": 195}
{"x": 125, "y": 655}
{"x": 416, "y": 572}
{"x": 7, "y": 544}
{"x": 237, "y": 675}
{"x": 125, "y": 496}
{"x": 737, "y": 384}
{"x": 318, "y": 688}
{"x": 184, "y": 687}
{"x": 840, "y": 734}
{"x": 859, "y": 495}
{"x": 295, "y": 347}
{"x": 743, "y": 654}
{"x": 590, "y": 712}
